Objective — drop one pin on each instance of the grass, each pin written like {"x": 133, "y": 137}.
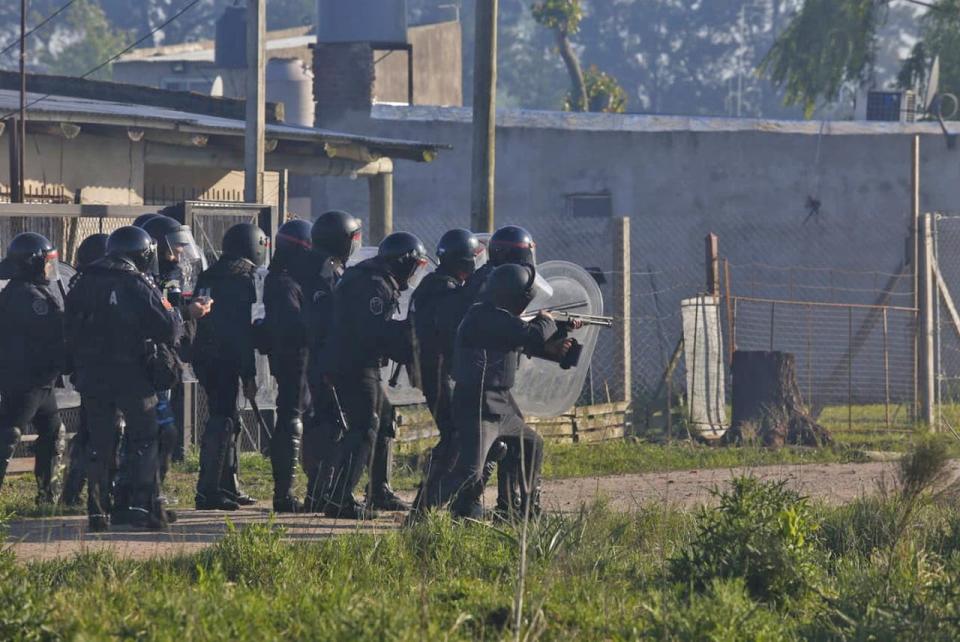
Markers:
{"x": 764, "y": 564}
{"x": 628, "y": 456}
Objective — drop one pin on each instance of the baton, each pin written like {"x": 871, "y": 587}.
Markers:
{"x": 260, "y": 422}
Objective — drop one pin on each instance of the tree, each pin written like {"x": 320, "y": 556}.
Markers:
{"x": 563, "y": 18}
{"x": 84, "y": 41}
{"x": 940, "y": 37}
{"x": 828, "y": 44}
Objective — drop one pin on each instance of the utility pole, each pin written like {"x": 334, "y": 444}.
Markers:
{"x": 17, "y": 193}
{"x": 484, "y": 117}
{"x": 253, "y": 144}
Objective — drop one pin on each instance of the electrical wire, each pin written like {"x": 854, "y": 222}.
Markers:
{"x": 43, "y": 23}
{"x": 112, "y": 58}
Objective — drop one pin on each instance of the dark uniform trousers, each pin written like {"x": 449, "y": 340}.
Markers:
{"x": 476, "y": 433}
{"x": 293, "y": 402}
{"x": 36, "y": 406}
{"x": 362, "y": 398}
{"x": 142, "y": 452}
{"x": 221, "y": 384}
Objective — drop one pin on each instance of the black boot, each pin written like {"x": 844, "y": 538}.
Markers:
{"x": 214, "y": 447}
{"x": 230, "y": 478}
{"x": 48, "y": 465}
{"x": 508, "y": 486}
{"x": 350, "y": 508}
{"x": 284, "y": 456}
{"x": 9, "y": 438}
{"x": 76, "y": 476}
{"x": 381, "y": 496}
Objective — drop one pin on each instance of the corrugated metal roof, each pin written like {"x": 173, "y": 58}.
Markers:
{"x": 82, "y": 110}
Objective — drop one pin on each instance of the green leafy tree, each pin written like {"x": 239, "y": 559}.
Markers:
{"x": 604, "y": 93}
{"x": 87, "y": 40}
{"x": 940, "y": 38}
{"x": 563, "y": 18}
{"x": 829, "y": 44}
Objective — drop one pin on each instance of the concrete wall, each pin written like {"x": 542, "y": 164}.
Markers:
{"x": 104, "y": 170}
{"x": 678, "y": 179}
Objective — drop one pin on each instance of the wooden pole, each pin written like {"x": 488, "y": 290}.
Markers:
{"x": 621, "y": 301}
{"x": 484, "y": 117}
{"x": 927, "y": 361}
{"x": 22, "y": 122}
{"x": 712, "y": 263}
{"x": 253, "y": 151}
{"x": 380, "y": 187}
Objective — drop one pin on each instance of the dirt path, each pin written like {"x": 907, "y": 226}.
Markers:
{"x": 54, "y": 537}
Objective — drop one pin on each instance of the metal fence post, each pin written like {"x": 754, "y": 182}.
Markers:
{"x": 621, "y": 301}
{"x": 927, "y": 361}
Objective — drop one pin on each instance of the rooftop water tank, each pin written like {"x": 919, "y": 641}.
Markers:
{"x": 290, "y": 83}
{"x": 362, "y": 21}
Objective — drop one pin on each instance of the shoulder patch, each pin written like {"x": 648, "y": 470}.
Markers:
{"x": 376, "y": 306}
{"x": 41, "y": 308}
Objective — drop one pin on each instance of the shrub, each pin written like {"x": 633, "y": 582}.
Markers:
{"x": 761, "y": 532}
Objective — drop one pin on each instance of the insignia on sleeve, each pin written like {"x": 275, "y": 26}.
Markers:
{"x": 41, "y": 308}
{"x": 376, "y": 306}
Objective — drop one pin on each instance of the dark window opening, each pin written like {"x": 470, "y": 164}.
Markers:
{"x": 590, "y": 205}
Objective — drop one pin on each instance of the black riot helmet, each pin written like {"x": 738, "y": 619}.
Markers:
{"x": 30, "y": 256}
{"x": 512, "y": 244}
{"x": 246, "y": 241}
{"x": 510, "y": 287}
{"x": 403, "y": 254}
{"x": 294, "y": 237}
{"x": 91, "y": 249}
{"x": 174, "y": 239}
{"x": 143, "y": 218}
{"x": 459, "y": 251}
{"x": 337, "y": 233}
{"x": 135, "y": 245}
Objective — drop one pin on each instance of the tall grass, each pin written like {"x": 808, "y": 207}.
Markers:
{"x": 763, "y": 565}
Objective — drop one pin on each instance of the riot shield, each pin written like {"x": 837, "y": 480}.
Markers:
{"x": 67, "y": 396}
{"x": 266, "y": 384}
{"x": 543, "y": 389}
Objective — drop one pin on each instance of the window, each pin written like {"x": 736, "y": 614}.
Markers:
{"x": 199, "y": 85}
{"x": 590, "y": 205}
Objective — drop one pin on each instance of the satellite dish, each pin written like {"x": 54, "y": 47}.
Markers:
{"x": 933, "y": 85}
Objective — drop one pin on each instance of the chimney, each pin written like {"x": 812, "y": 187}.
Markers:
{"x": 343, "y": 84}
{"x": 343, "y": 57}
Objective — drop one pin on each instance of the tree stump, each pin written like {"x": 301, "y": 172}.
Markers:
{"x": 767, "y": 404}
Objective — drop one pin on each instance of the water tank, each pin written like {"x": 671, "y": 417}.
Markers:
{"x": 230, "y": 48}
{"x": 290, "y": 83}
{"x": 362, "y": 21}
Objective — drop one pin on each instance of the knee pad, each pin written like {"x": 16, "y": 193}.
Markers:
{"x": 10, "y": 437}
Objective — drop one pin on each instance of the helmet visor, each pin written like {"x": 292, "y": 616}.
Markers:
{"x": 481, "y": 257}
{"x": 183, "y": 246}
{"x": 188, "y": 257}
{"x": 51, "y": 266}
{"x": 356, "y": 242}
{"x": 419, "y": 271}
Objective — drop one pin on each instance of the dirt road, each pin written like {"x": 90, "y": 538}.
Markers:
{"x": 53, "y": 537}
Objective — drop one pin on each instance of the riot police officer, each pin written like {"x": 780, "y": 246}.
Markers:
{"x": 178, "y": 265}
{"x": 117, "y": 322}
{"x": 363, "y": 335}
{"x": 509, "y": 245}
{"x": 32, "y": 357}
{"x": 292, "y": 268}
{"x": 335, "y": 235}
{"x": 92, "y": 248}
{"x": 223, "y": 357}
{"x": 457, "y": 254}
{"x": 488, "y": 347}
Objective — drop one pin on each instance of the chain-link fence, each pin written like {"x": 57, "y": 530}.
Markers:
{"x": 946, "y": 284}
